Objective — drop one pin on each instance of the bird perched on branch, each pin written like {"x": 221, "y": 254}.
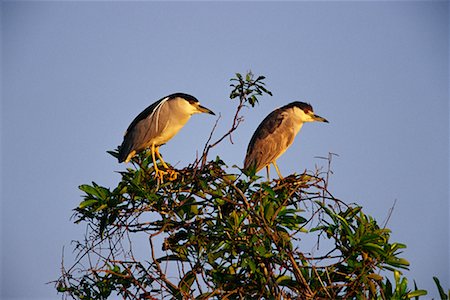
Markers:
{"x": 276, "y": 133}
{"x": 156, "y": 125}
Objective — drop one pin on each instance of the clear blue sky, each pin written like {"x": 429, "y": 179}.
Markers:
{"x": 74, "y": 75}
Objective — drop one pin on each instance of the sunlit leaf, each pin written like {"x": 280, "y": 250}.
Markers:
{"x": 101, "y": 207}
{"x": 417, "y": 293}
{"x": 87, "y": 203}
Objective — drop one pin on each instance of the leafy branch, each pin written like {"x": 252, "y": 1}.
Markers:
{"x": 247, "y": 90}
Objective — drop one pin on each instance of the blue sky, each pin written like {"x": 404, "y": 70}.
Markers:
{"x": 74, "y": 75}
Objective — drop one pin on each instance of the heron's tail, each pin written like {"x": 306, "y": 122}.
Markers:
{"x": 124, "y": 150}
{"x": 250, "y": 164}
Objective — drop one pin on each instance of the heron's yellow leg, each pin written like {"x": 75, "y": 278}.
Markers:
{"x": 130, "y": 156}
{"x": 160, "y": 158}
{"x": 172, "y": 173}
{"x": 276, "y": 168}
{"x": 158, "y": 173}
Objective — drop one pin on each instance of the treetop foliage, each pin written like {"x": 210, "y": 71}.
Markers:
{"x": 216, "y": 233}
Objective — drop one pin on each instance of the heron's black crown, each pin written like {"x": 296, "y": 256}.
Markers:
{"x": 189, "y": 98}
{"x": 306, "y": 107}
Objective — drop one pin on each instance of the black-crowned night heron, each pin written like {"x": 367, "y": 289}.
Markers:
{"x": 276, "y": 133}
{"x": 157, "y": 124}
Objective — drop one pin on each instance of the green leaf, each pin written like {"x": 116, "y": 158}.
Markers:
{"x": 88, "y": 189}
{"x": 175, "y": 292}
{"x": 186, "y": 282}
{"x": 319, "y": 228}
{"x": 397, "y": 262}
{"x": 417, "y": 293}
{"x": 440, "y": 289}
{"x": 95, "y": 190}
{"x": 265, "y": 90}
{"x": 252, "y": 265}
{"x": 103, "y": 192}
{"x": 397, "y": 277}
{"x": 171, "y": 257}
{"x": 280, "y": 279}
{"x": 287, "y": 281}
{"x": 101, "y": 207}
{"x": 345, "y": 225}
{"x": 269, "y": 211}
{"x": 87, "y": 203}
{"x": 388, "y": 289}
{"x": 375, "y": 277}
{"x": 374, "y": 247}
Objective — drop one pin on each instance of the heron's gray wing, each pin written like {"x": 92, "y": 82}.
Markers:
{"x": 265, "y": 144}
{"x": 144, "y": 114}
{"x": 155, "y": 125}
{"x": 135, "y": 135}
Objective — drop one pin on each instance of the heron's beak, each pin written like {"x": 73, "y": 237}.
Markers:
{"x": 205, "y": 110}
{"x": 319, "y": 119}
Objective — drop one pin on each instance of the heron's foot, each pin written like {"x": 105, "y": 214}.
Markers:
{"x": 172, "y": 174}
{"x": 159, "y": 175}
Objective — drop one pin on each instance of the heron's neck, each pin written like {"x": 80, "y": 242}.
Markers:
{"x": 297, "y": 126}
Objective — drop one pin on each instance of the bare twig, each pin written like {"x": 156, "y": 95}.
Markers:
{"x": 391, "y": 210}
{"x": 161, "y": 274}
{"x": 236, "y": 121}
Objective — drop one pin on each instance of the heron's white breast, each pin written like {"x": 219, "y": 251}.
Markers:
{"x": 172, "y": 116}
{"x": 296, "y": 119}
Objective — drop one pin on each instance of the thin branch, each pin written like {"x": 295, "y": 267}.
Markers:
{"x": 161, "y": 274}
{"x": 391, "y": 210}
{"x": 236, "y": 121}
